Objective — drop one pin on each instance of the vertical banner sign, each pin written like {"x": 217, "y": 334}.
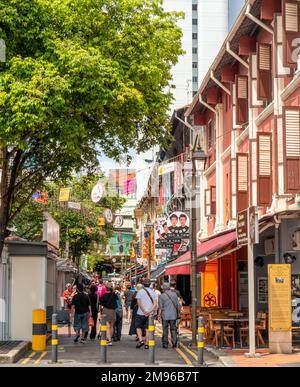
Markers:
{"x": 280, "y": 307}
{"x": 64, "y": 195}
{"x": 242, "y": 228}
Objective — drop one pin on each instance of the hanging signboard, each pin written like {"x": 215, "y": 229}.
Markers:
{"x": 97, "y": 193}
{"x": 108, "y": 215}
{"x": 138, "y": 213}
{"x": 118, "y": 221}
{"x": 166, "y": 168}
{"x": 101, "y": 221}
{"x": 64, "y": 194}
{"x": 280, "y": 307}
{"x": 74, "y": 206}
{"x": 242, "y": 228}
{"x": 172, "y": 232}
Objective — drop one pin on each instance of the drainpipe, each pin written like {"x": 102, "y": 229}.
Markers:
{"x": 257, "y": 21}
{"x": 235, "y": 56}
{"x": 277, "y": 244}
{"x": 212, "y": 76}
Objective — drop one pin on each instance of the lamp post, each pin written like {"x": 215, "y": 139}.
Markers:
{"x": 198, "y": 164}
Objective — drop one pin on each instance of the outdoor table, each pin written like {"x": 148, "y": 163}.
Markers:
{"x": 236, "y": 321}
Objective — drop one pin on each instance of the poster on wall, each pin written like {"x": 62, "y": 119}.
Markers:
{"x": 280, "y": 310}
{"x": 172, "y": 232}
{"x": 296, "y": 300}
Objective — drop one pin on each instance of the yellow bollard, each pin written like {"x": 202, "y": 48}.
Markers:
{"x": 39, "y": 328}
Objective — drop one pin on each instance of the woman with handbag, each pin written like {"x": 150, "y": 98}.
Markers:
{"x": 92, "y": 321}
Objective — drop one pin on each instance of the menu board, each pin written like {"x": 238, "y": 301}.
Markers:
{"x": 280, "y": 297}
{"x": 262, "y": 287}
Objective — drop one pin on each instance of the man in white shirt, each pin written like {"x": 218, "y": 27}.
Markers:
{"x": 147, "y": 301}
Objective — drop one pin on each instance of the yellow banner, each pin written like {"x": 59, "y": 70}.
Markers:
{"x": 64, "y": 195}
{"x": 101, "y": 222}
{"x": 280, "y": 304}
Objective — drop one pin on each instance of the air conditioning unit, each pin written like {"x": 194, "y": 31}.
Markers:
{"x": 270, "y": 246}
{"x": 296, "y": 240}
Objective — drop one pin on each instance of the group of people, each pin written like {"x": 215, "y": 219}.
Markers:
{"x": 137, "y": 304}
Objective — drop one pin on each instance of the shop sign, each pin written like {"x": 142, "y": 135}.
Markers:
{"x": 64, "y": 194}
{"x": 280, "y": 307}
{"x": 172, "y": 232}
{"x": 108, "y": 215}
{"x": 118, "y": 221}
{"x": 138, "y": 213}
{"x": 101, "y": 221}
{"x": 166, "y": 168}
{"x": 242, "y": 228}
{"x": 74, "y": 206}
{"x": 97, "y": 193}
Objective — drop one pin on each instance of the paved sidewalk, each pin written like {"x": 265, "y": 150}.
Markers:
{"x": 121, "y": 354}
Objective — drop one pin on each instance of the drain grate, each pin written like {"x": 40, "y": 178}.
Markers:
{"x": 6, "y": 346}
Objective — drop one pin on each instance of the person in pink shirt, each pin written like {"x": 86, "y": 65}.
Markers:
{"x": 101, "y": 288}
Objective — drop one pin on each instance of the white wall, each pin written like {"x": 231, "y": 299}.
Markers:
{"x": 212, "y": 31}
{"x": 182, "y": 72}
{"x": 27, "y": 293}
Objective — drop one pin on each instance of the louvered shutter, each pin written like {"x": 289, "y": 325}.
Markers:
{"x": 207, "y": 203}
{"x": 213, "y": 200}
{"x": 291, "y": 30}
{"x": 241, "y": 84}
{"x": 242, "y": 181}
{"x": 264, "y": 72}
{"x": 264, "y": 168}
{"x": 291, "y": 137}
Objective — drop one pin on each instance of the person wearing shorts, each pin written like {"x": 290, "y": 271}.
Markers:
{"x": 147, "y": 302}
{"x": 82, "y": 306}
{"x": 109, "y": 301}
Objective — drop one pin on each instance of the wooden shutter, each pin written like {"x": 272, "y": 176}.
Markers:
{"x": 207, "y": 202}
{"x": 264, "y": 169}
{"x": 291, "y": 30}
{"x": 241, "y": 84}
{"x": 213, "y": 200}
{"x": 242, "y": 181}
{"x": 291, "y": 139}
{"x": 264, "y": 72}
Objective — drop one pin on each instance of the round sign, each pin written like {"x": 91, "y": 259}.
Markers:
{"x": 108, "y": 215}
{"x": 97, "y": 193}
{"x": 118, "y": 221}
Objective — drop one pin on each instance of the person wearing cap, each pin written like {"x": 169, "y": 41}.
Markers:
{"x": 169, "y": 312}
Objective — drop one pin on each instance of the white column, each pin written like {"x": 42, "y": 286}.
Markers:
{"x": 219, "y": 171}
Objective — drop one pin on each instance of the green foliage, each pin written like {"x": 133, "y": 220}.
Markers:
{"x": 79, "y": 228}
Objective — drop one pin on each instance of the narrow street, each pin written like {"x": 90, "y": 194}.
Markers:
{"x": 120, "y": 354}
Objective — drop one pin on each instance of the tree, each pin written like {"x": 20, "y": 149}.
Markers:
{"x": 81, "y": 77}
{"x": 79, "y": 229}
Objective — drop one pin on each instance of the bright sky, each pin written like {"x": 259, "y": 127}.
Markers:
{"x": 106, "y": 164}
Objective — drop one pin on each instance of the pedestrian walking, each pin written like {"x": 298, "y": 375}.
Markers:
{"x": 134, "y": 308}
{"x": 147, "y": 302}
{"x": 95, "y": 303}
{"x": 158, "y": 293}
{"x": 81, "y": 305}
{"x": 109, "y": 302}
{"x": 67, "y": 296}
{"x": 101, "y": 288}
{"x": 127, "y": 297}
{"x": 119, "y": 316}
{"x": 169, "y": 313}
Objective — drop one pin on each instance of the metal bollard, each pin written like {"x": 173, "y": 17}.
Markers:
{"x": 54, "y": 340}
{"x": 103, "y": 340}
{"x": 200, "y": 342}
{"x": 39, "y": 328}
{"x": 151, "y": 338}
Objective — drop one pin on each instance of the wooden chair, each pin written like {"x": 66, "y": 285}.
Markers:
{"x": 260, "y": 327}
{"x": 215, "y": 333}
{"x": 186, "y": 316}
